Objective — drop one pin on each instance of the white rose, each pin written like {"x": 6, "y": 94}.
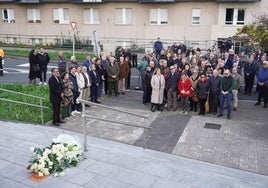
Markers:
{"x": 62, "y": 174}
{"x": 40, "y": 174}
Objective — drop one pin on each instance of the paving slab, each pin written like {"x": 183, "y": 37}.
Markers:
{"x": 128, "y": 166}
{"x": 238, "y": 144}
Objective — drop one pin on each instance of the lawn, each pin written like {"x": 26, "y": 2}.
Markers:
{"x": 24, "y": 113}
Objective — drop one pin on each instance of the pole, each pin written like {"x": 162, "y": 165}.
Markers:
{"x": 85, "y": 125}
{"x": 73, "y": 43}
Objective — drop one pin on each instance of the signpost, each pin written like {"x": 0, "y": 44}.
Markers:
{"x": 74, "y": 26}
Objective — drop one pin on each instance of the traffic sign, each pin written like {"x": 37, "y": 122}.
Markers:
{"x": 73, "y": 25}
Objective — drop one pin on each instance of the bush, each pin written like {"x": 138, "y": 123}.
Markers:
{"x": 24, "y": 113}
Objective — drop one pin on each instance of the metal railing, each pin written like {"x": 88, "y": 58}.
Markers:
{"x": 83, "y": 102}
{"x": 24, "y": 103}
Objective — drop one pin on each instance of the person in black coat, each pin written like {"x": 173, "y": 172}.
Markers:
{"x": 202, "y": 89}
{"x": 146, "y": 85}
{"x": 34, "y": 67}
{"x": 172, "y": 81}
{"x": 56, "y": 94}
{"x": 43, "y": 60}
{"x": 214, "y": 92}
{"x": 249, "y": 75}
{"x": 95, "y": 80}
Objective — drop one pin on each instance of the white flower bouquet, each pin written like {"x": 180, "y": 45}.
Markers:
{"x": 55, "y": 158}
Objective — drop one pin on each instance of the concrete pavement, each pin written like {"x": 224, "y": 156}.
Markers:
{"x": 111, "y": 164}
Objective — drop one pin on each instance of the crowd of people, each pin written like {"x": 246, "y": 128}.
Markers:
{"x": 210, "y": 80}
{"x": 204, "y": 80}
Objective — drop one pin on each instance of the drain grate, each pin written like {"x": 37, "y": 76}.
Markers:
{"x": 212, "y": 126}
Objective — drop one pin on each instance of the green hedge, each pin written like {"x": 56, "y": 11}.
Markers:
{"x": 24, "y": 113}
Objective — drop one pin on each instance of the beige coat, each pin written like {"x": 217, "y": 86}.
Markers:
{"x": 158, "y": 85}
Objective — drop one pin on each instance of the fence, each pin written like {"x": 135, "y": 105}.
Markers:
{"x": 107, "y": 44}
{"x": 83, "y": 102}
{"x": 28, "y": 104}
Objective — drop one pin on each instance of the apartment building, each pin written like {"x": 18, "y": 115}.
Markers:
{"x": 129, "y": 19}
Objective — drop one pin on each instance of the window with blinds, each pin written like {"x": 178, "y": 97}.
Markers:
{"x": 34, "y": 15}
{"x": 91, "y": 16}
{"x": 158, "y": 16}
{"x": 61, "y": 15}
{"x": 195, "y": 16}
{"x": 123, "y": 16}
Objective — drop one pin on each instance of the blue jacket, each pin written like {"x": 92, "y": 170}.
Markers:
{"x": 262, "y": 76}
{"x": 158, "y": 46}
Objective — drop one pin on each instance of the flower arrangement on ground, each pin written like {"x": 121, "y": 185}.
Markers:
{"x": 55, "y": 158}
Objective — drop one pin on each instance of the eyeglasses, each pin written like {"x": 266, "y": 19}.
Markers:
{"x": 171, "y": 68}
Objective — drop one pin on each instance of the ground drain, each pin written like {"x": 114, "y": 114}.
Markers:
{"x": 212, "y": 126}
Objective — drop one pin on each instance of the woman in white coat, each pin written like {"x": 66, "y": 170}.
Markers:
{"x": 158, "y": 85}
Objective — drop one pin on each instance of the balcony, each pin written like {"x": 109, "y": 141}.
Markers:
{"x": 156, "y": 1}
{"x": 236, "y": 1}
{"x": 86, "y": 1}
{"x": 27, "y": 1}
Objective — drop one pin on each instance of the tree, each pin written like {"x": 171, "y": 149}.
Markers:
{"x": 256, "y": 31}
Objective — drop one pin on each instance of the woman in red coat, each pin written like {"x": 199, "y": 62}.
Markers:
{"x": 185, "y": 92}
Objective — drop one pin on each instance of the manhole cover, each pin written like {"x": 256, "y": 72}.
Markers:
{"x": 212, "y": 126}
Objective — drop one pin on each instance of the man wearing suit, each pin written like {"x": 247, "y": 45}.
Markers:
{"x": 56, "y": 94}
{"x": 95, "y": 80}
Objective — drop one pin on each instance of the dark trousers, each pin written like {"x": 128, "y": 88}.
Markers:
{"x": 202, "y": 105}
{"x": 94, "y": 93}
{"x": 263, "y": 93}
{"x": 146, "y": 98}
{"x": 228, "y": 98}
{"x": 213, "y": 103}
{"x": 134, "y": 58}
{"x": 113, "y": 86}
{"x": 106, "y": 84}
{"x": 128, "y": 81}
{"x": 43, "y": 74}
{"x": 193, "y": 104}
{"x": 249, "y": 84}
{"x": 56, "y": 112}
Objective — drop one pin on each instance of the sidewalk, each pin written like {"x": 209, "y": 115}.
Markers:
{"x": 111, "y": 164}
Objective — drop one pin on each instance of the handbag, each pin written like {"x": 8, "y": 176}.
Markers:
{"x": 207, "y": 104}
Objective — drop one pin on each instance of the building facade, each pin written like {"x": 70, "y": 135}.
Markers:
{"x": 178, "y": 20}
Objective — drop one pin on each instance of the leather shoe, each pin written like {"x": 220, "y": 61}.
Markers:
{"x": 220, "y": 115}
{"x": 234, "y": 109}
{"x": 56, "y": 124}
{"x": 61, "y": 121}
{"x": 256, "y": 104}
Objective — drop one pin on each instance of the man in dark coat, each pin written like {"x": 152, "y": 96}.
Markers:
{"x": 214, "y": 92}
{"x": 56, "y": 94}
{"x": 95, "y": 80}
{"x": 226, "y": 87}
{"x": 42, "y": 59}
{"x": 249, "y": 74}
{"x": 172, "y": 88}
{"x": 158, "y": 47}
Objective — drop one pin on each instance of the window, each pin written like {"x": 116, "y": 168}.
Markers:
{"x": 195, "y": 16}
{"x": 34, "y": 41}
{"x": 61, "y": 15}
{"x": 8, "y": 15}
{"x": 33, "y": 15}
{"x": 12, "y": 40}
{"x": 235, "y": 16}
{"x": 159, "y": 16}
{"x": 91, "y": 16}
{"x": 123, "y": 16}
